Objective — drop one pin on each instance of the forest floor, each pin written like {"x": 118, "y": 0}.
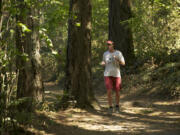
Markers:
{"x": 145, "y": 108}
{"x": 138, "y": 116}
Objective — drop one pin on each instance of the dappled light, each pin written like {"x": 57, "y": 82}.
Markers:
{"x": 143, "y": 116}
{"x": 89, "y": 67}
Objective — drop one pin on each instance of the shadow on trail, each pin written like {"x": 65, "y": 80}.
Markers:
{"x": 160, "y": 120}
{"x": 137, "y": 117}
{"x": 128, "y": 124}
{"x": 46, "y": 125}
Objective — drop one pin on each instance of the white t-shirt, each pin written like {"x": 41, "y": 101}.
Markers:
{"x": 112, "y": 67}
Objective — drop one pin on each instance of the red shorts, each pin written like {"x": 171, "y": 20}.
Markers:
{"x": 112, "y": 83}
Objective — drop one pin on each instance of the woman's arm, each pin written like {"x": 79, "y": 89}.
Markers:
{"x": 119, "y": 61}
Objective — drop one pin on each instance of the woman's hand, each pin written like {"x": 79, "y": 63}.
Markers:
{"x": 102, "y": 63}
{"x": 116, "y": 58}
{"x": 119, "y": 61}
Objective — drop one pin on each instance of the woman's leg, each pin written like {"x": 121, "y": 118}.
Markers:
{"x": 117, "y": 87}
{"x": 109, "y": 86}
{"x": 109, "y": 96}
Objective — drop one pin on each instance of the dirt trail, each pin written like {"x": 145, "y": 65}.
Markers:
{"x": 137, "y": 117}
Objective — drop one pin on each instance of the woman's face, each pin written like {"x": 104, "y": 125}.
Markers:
{"x": 110, "y": 47}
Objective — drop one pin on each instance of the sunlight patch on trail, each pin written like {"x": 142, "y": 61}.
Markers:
{"x": 89, "y": 121}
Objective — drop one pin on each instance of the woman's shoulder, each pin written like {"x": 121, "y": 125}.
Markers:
{"x": 106, "y": 52}
{"x": 118, "y": 52}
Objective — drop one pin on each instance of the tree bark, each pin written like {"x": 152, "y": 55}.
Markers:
{"x": 78, "y": 66}
{"x": 27, "y": 43}
{"x": 119, "y": 29}
{"x": 1, "y": 2}
{"x": 1, "y": 16}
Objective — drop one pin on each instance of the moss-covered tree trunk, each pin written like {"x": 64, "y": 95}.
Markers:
{"x": 78, "y": 66}
{"x": 28, "y": 60}
{"x": 119, "y": 29}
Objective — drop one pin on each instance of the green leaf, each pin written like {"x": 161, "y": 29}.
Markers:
{"x": 54, "y": 52}
{"x": 49, "y": 42}
{"x": 12, "y": 31}
{"x": 56, "y": 2}
{"x": 25, "y": 56}
{"x": 24, "y": 27}
{"x": 78, "y": 24}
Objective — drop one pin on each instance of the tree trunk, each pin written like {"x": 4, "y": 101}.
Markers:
{"x": 1, "y": 16}
{"x": 1, "y": 19}
{"x": 119, "y": 29}
{"x": 28, "y": 61}
{"x": 78, "y": 66}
